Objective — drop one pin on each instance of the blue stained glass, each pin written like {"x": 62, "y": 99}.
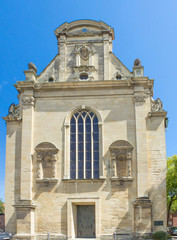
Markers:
{"x": 73, "y": 147}
{"x": 80, "y": 120}
{"x": 73, "y": 128}
{"x": 73, "y": 165}
{"x": 80, "y": 128}
{"x": 95, "y": 120}
{"x": 80, "y": 156}
{"x": 80, "y": 137}
{"x": 95, "y": 128}
{"x": 73, "y": 156}
{"x": 73, "y": 175}
{"x": 88, "y": 150}
{"x": 96, "y": 174}
{"x": 88, "y": 137}
{"x": 88, "y": 165}
{"x": 80, "y": 147}
{"x": 88, "y": 147}
{"x": 73, "y": 121}
{"x": 88, "y": 127}
{"x": 96, "y": 155}
{"x": 88, "y": 174}
{"x": 96, "y": 146}
{"x": 96, "y": 165}
{"x": 80, "y": 175}
{"x": 96, "y": 137}
{"x": 73, "y": 137}
{"x": 76, "y": 114}
{"x": 80, "y": 165}
{"x": 88, "y": 155}
{"x": 88, "y": 120}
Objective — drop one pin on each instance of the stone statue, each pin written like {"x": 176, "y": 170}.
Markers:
{"x": 157, "y": 105}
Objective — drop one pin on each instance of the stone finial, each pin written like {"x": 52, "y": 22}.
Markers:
{"x": 138, "y": 68}
{"x": 31, "y": 73}
{"x": 137, "y": 62}
{"x": 31, "y": 66}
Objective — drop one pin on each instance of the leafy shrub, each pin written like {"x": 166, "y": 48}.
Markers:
{"x": 160, "y": 235}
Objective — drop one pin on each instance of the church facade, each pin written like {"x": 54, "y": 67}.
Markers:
{"x": 86, "y": 153}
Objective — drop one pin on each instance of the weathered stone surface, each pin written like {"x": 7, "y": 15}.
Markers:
{"x": 129, "y": 194}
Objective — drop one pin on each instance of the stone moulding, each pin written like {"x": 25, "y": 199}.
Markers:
{"x": 140, "y": 99}
{"x": 124, "y": 179}
{"x": 22, "y": 85}
{"x": 84, "y": 68}
{"x": 25, "y": 204}
{"x": 92, "y": 180}
{"x": 157, "y": 114}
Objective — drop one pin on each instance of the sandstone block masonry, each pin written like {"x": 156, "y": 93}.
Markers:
{"x": 86, "y": 153}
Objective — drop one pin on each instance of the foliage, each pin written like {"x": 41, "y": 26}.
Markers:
{"x": 1, "y": 206}
{"x": 160, "y": 235}
{"x": 171, "y": 185}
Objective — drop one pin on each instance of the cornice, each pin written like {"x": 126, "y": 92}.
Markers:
{"x": 29, "y": 85}
{"x": 139, "y": 81}
{"x": 157, "y": 114}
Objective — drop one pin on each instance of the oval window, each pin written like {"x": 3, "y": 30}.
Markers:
{"x": 84, "y": 76}
{"x": 51, "y": 79}
{"x": 118, "y": 76}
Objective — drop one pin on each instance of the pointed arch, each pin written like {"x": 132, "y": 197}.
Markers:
{"x": 83, "y": 143}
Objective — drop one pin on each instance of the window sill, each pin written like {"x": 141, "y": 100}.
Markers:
{"x": 84, "y": 180}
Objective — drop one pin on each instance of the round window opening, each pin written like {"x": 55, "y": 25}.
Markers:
{"x": 51, "y": 79}
{"x": 84, "y": 76}
{"x": 84, "y": 29}
{"x": 118, "y": 76}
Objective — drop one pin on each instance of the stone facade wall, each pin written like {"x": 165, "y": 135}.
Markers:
{"x": 2, "y": 222}
{"x": 129, "y": 195}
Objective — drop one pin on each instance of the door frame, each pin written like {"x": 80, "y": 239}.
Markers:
{"x": 72, "y": 215}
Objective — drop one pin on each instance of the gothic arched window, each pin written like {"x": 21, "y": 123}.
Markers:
{"x": 84, "y": 145}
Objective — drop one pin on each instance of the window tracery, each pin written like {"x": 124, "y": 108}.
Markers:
{"x": 84, "y": 145}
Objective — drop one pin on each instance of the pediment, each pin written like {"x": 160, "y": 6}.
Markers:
{"x": 84, "y": 27}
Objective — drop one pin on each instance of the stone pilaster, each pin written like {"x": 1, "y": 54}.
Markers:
{"x": 27, "y": 146}
{"x": 141, "y": 146}
{"x": 25, "y": 207}
{"x": 106, "y": 56}
{"x": 62, "y": 57}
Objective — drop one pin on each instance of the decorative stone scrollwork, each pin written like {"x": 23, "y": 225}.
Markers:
{"x": 121, "y": 159}
{"x": 140, "y": 99}
{"x": 46, "y": 161}
{"x": 84, "y": 62}
{"x": 14, "y": 113}
{"x": 28, "y": 100}
{"x": 156, "y": 105}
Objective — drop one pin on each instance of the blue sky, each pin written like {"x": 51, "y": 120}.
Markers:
{"x": 145, "y": 29}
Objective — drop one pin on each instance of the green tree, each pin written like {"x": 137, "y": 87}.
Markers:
{"x": 1, "y": 206}
{"x": 171, "y": 185}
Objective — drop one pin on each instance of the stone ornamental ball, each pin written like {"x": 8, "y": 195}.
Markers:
{"x": 137, "y": 62}
{"x": 31, "y": 66}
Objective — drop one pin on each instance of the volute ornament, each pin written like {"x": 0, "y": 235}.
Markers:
{"x": 156, "y": 105}
{"x": 139, "y": 99}
{"x": 28, "y": 100}
{"x": 14, "y": 113}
